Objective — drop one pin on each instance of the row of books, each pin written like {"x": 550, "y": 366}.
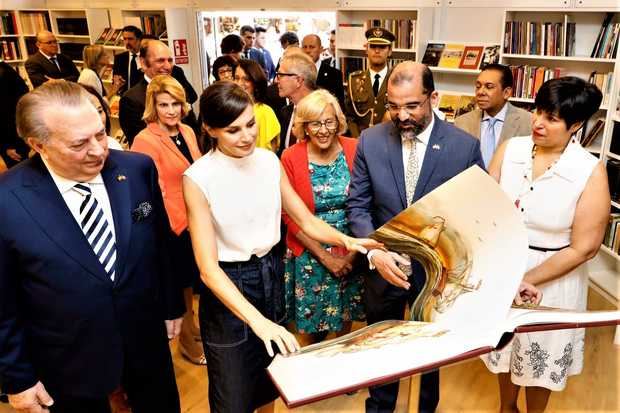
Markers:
{"x": 535, "y": 38}
{"x": 403, "y": 30}
{"x": 528, "y": 79}
{"x": 589, "y": 136}
{"x": 606, "y": 45}
{"x": 460, "y": 56}
{"x": 351, "y": 64}
{"x": 34, "y": 22}
{"x": 604, "y": 82}
{"x": 612, "y": 233}
{"x": 9, "y": 49}
{"x": 154, "y": 24}
{"x": 613, "y": 177}
{"x": 8, "y": 23}
{"x": 110, "y": 37}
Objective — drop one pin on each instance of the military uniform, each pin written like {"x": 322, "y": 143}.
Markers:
{"x": 363, "y": 109}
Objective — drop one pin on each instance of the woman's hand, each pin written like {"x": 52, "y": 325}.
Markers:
{"x": 269, "y": 331}
{"x": 528, "y": 294}
{"x": 361, "y": 245}
{"x": 338, "y": 266}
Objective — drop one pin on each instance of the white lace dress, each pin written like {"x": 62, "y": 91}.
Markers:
{"x": 546, "y": 359}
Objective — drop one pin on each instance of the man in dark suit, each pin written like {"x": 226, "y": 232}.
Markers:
{"x": 47, "y": 63}
{"x": 260, "y": 42}
{"x": 12, "y": 148}
{"x": 155, "y": 59}
{"x": 396, "y": 164}
{"x": 327, "y": 77}
{"x": 88, "y": 297}
{"x": 248, "y": 34}
{"x": 126, "y": 70}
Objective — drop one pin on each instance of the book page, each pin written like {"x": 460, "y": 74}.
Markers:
{"x": 521, "y": 317}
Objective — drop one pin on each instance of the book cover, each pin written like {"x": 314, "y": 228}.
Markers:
{"x": 465, "y": 104}
{"x": 471, "y": 57}
{"x": 103, "y": 37}
{"x": 451, "y": 56}
{"x": 490, "y": 56}
{"x": 473, "y": 271}
{"x": 114, "y": 37}
{"x": 432, "y": 55}
{"x": 448, "y": 104}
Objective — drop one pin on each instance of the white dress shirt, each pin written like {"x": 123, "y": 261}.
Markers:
{"x": 382, "y": 74}
{"x": 484, "y": 124}
{"x": 74, "y": 199}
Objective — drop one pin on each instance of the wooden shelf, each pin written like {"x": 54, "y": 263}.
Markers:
{"x": 438, "y": 69}
{"x": 559, "y": 58}
{"x": 15, "y": 61}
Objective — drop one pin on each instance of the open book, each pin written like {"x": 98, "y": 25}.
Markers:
{"x": 472, "y": 243}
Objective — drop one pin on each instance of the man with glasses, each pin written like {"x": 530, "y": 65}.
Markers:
{"x": 296, "y": 78}
{"x": 396, "y": 164}
{"x": 48, "y": 63}
{"x": 365, "y": 92}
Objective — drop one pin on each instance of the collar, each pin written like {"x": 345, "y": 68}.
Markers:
{"x": 64, "y": 185}
{"x": 147, "y": 79}
{"x": 501, "y": 115}
{"x": 381, "y": 73}
{"x": 48, "y": 57}
{"x": 318, "y": 65}
{"x": 566, "y": 165}
{"x": 425, "y": 135}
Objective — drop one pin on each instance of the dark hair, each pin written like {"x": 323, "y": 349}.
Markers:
{"x": 133, "y": 29}
{"x": 256, "y": 74}
{"x": 289, "y": 38}
{"x": 103, "y": 104}
{"x": 232, "y": 44}
{"x": 506, "y": 80}
{"x": 572, "y": 99}
{"x": 220, "y": 105}
{"x": 246, "y": 28}
{"x": 221, "y": 62}
{"x": 260, "y": 29}
{"x": 148, "y": 36}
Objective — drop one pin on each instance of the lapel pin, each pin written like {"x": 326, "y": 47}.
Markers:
{"x": 121, "y": 178}
{"x": 436, "y": 147}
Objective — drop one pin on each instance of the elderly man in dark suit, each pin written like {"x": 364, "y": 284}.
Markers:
{"x": 47, "y": 63}
{"x": 88, "y": 297}
{"x": 328, "y": 78}
{"x": 396, "y": 164}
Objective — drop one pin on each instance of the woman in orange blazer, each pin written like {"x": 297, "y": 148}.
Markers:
{"x": 173, "y": 147}
{"x": 323, "y": 291}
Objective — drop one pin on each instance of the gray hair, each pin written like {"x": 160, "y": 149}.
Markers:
{"x": 31, "y": 108}
{"x": 302, "y": 65}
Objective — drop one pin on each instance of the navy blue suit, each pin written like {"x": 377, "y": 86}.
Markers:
{"x": 62, "y": 320}
{"x": 377, "y": 194}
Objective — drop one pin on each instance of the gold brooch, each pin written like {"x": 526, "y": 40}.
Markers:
{"x": 121, "y": 178}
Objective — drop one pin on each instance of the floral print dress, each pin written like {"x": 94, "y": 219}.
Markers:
{"x": 316, "y": 300}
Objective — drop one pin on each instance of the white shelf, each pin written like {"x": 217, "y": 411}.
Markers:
{"x": 9, "y": 35}
{"x": 438, "y": 69}
{"x": 398, "y": 50}
{"x": 594, "y": 150}
{"x": 113, "y": 47}
{"x": 524, "y": 100}
{"x": 15, "y": 61}
{"x": 615, "y": 204}
{"x": 609, "y": 252}
{"x": 606, "y": 282}
{"x": 559, "y": 58}
{"x": 74, "y": 36}
{"x": 613, "y": 156}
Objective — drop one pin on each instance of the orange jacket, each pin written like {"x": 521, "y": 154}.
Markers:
{"x": 171, "y": 164}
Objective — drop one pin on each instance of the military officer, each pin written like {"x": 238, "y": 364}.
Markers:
{"x": 366, "y": 89}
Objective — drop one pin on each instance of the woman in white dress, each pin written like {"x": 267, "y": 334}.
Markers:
{"x": 562, "y": 193}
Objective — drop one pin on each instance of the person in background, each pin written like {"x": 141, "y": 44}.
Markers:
{"x": 248, "y": 34}
{"x": 323, "y": 291}
{"x": 173, "y": 147}
{"x": 495, "y": 119}
{"x": 13, "y": 149}
{"x": 234, "y": 228}
{"x": 259, "y": 43}
{"x": 561, "y": 190}
{"x": 289, "y": 39}
{"x": 126, "y": 72}
{"x": 96, "y": 60}
{"x": 224, "y": 68}
{"x": 251, "y": 77}
{"x": 331, "y": 60}
{"x": 104, "y": 112}
{"x": 48, "y": 63}
{"x": 232, "y": 45}
{"x": 366, "y": 89}
{"x": 327, "y": 77}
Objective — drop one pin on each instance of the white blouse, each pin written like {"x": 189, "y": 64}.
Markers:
{"x": 245, "y": 201}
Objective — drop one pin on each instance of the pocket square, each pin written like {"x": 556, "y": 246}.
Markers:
{"x": 142, "y": 211}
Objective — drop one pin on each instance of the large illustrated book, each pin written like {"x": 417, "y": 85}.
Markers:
{"x": 472, "y": 244}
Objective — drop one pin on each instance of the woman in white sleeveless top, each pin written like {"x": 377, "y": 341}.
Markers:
{"x": 234, "y": 196}
{"x": 562, "y": 193}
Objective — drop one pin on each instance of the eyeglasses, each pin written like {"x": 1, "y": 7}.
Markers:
{"x": 283, "y": 74}
{"x": 410, "y": 108}
{"x": 316, "y": 125}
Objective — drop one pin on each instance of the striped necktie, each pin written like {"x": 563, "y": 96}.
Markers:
{"x": 97, "y": 229}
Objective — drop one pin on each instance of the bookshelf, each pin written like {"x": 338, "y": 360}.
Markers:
{"x": 151, "y": 22}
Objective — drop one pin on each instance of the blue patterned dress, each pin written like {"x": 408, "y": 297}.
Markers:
{"x": 316, "y": 300}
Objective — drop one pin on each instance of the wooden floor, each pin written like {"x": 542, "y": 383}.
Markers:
{"x": 464, "y": 387}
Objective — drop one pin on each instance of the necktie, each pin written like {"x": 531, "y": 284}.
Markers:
{"x": 411, "y": 176}
{"x": 133, "y": 68}
{"x": 375, "y": 85}
{"x": 487, "y": 146}
{"x": 97, "y": 229}
{"x": 55, "y": 61}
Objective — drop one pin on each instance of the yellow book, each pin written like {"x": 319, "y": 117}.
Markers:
{"x": 451, "y": 56}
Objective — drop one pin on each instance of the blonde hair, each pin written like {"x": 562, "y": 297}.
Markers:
{"x": 301, "y": 64}
{"x": 32, "y": 107}
{"x": 91, "y": 55}
{"x": 310, "y": 109}
{"x": 163, "y": 84}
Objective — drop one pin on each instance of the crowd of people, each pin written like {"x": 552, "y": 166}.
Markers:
{"x": 262, "y": 205}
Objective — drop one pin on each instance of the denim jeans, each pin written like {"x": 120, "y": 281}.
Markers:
{"x": 236, "y": 357}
